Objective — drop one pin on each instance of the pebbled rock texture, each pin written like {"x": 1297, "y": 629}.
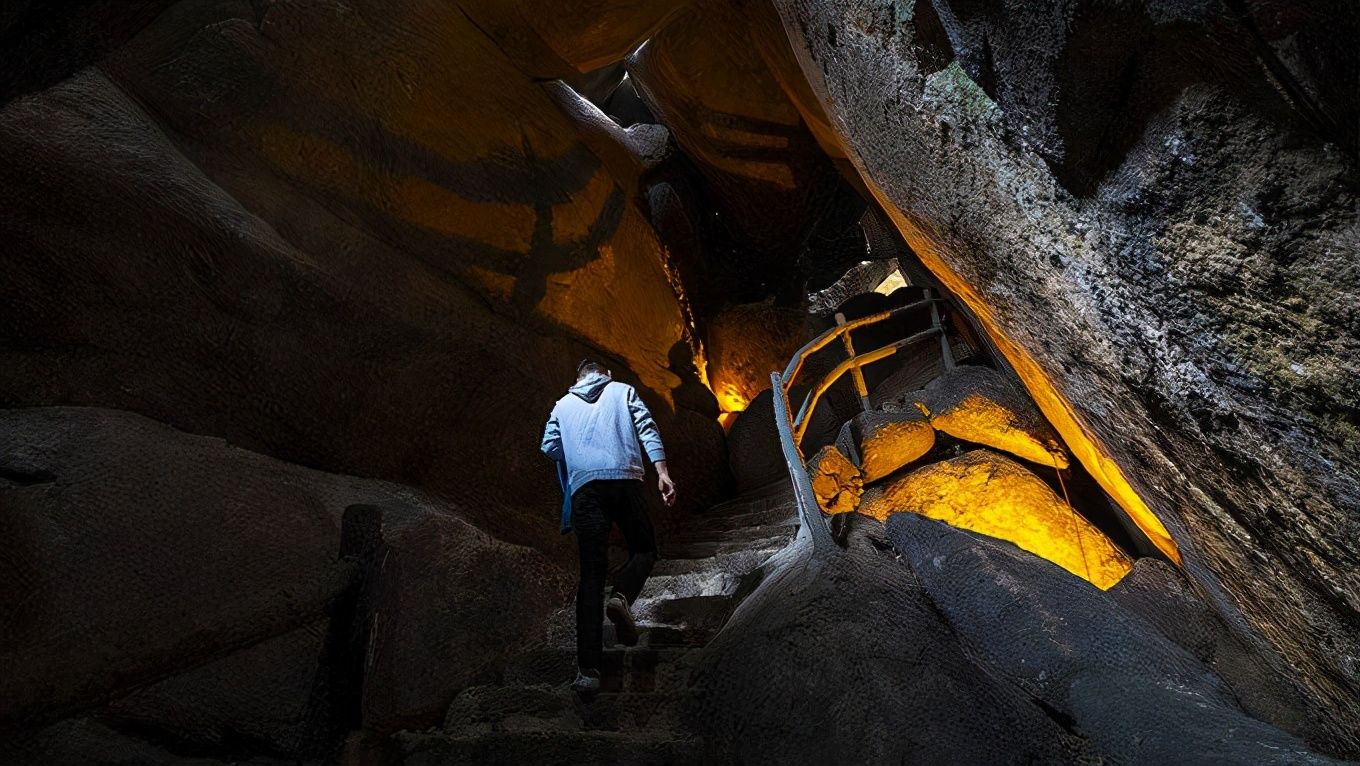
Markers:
{"x": 991, "y": 654}
{"x": 1193, "y": 301}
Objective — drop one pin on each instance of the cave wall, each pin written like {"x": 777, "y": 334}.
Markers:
{"x": 704, "y": 78}
{"x": 315, "y": 230}
{"x": 1193, "y": 307}
{"x": 367, "y": 238}
{"x": 225, "y": 601}
{"x": 356, "y": 238}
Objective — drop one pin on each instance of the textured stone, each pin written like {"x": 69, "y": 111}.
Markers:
{"x": 1192, "y": 313}
{"x": 883, "y": 442}
{"x": 1031, "y": 626}
{"x": 775, "y": 678}
{"x": 366, "y": 237}
{"x": 703, "y": 77}
{"x": 221, "y": 596}
{"x": 977, "y": 404}
{"x": 745, "y": 343}
{"x": 836, "y": 481}
{"x": 753, "y": 449}
{"x": 754, "y": 452}
{"x": 309, "y": 230}
{"x": 989, "y": 494}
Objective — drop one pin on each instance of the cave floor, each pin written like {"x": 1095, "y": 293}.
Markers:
{"x": 532, "y": 716}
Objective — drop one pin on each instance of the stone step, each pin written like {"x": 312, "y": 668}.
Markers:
{"x": 631, "y": 669}
{"x": 756, "y": 532}
{"x": 548, "y": 748}
{"x": 728, "y": 523}
{"x": 630, "y": 711}
{"x": 738, "y": 562}
{"x": 779, "y": 512}
{"x": 481, "y": 710}
{"x": 768, "y": 541}
{"x": 757, "y": 499}
{"x": 698, "y": 617}
{"x": 700, "y": 583}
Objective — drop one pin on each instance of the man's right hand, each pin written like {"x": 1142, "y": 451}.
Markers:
{"x": 664, "y": 483}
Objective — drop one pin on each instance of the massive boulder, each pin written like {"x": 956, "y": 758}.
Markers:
{"x": 978, "y": 404}
{"x": 221, "y": 597}
{"x": 882, "y": 442}
{"x": 1101, "y": 665}
{"x": 991, "y": 654}
{"x": 992, "y": 495}
{"x": 1185, "y": 318}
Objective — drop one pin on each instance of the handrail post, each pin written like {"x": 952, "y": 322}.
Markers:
{"x": 946, "y": 353}
{"x": 856, "y": 371}
{"x": 811, "y": 524}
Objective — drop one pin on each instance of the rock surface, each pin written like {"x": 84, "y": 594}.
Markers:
{"x": 987, "y": 493}
{"x": 993, "y": 656}
{"x": 836, "y": 482}
{"x": 310, "y": 232}
{"x": 1191, "y": 305}
{"x": 977, "y": 404}
{"x": 372, "y": 239}
{"x": 222, "y": 597}
{"x": 705, "y": 78}
{"x": 883, "y": 442}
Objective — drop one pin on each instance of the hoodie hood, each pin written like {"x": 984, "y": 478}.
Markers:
{"x": 589, "y": 387}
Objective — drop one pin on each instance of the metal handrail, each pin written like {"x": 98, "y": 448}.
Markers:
{"x": 800, "y": 423}
{"x": 791, "y": 429}
{"x": 809, "y": 526}
{"x": 821, "y": 341}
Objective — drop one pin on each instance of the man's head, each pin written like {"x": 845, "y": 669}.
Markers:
{"x": 588, "y": 366}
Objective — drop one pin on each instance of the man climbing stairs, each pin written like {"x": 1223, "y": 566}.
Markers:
{"x": 531, "y": 716}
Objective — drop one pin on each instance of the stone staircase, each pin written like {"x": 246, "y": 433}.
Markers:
{"x": 532, "y": 717}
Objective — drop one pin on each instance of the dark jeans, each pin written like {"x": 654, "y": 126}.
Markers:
{"x": 595, "y": 508}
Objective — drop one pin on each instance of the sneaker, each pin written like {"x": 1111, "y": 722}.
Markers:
{"x": 616, "y": 609}
{"x": 587, "y": 683}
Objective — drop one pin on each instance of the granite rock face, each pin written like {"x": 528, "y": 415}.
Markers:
{"x": 308, "y": 230}
{"x": 1193, "y": 301}
{"x": 221, "y": 597}
{"x": 993, "y": 655}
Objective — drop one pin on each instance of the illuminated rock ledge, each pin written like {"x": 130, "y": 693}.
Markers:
{"x": 992, "y": 495}
{"x": 977, "y": 404}
{"x": 886, "y": 441}
{"x": 836, "y": 481}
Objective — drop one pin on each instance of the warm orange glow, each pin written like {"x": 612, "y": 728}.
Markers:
{"x": 700, "y": 358}
{"x": 836, "y": 481}
{"x": 892, "y": 445}
{"x": 730, "y": 403}
{"x": 891, "y": 283}
{"x": 730, "y": 399}
{"x": 992, "y": 495}
{"x": 1053, "y": 404}
{"x": 980, "y": 419}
